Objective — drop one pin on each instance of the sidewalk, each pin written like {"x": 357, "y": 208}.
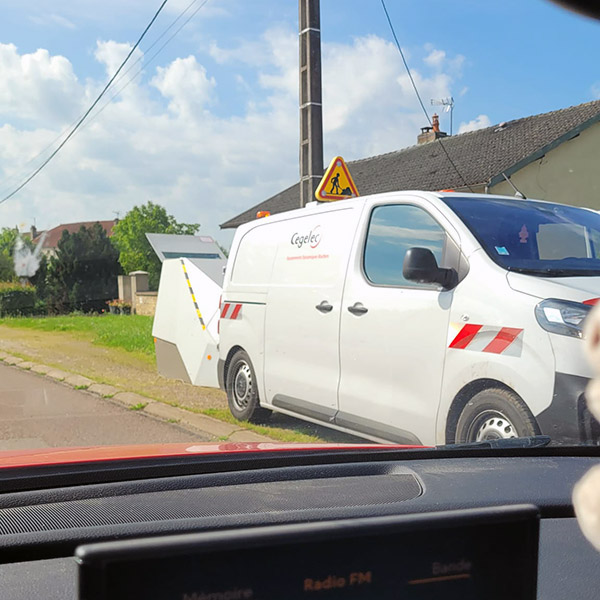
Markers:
{"x": 65, "y": 356}
{"x": 114, "y": 366}
{"x": 123, "y": 377}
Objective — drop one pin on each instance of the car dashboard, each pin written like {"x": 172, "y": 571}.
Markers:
{"x": 319, "y": 512}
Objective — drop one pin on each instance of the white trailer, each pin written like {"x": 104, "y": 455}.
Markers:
{"x": 185, "y": 326}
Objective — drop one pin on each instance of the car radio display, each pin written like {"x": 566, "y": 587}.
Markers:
{"x": 477, "y": 554}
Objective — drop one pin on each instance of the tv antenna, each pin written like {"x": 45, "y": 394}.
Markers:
{"x": 448, "y": 104}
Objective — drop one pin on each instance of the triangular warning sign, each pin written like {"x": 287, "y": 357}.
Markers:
{"x": 337, "y": 183}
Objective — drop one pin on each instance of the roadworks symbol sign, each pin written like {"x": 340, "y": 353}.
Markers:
{"x": 337, "y": 183}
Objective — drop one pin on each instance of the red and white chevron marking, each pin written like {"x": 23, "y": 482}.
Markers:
{"x": 484, "y": 338}
{"x": 231, "y": 310}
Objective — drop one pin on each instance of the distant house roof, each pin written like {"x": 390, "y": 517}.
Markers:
{"x": 480, "y": 156}
{"x": 53, "y": 235}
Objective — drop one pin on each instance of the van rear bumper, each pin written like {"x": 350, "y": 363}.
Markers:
{"x": 567, "y": 420}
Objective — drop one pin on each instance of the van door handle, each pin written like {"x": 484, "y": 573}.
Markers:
{"x": 324, "y": 307}
{"x": 358, "y": 309}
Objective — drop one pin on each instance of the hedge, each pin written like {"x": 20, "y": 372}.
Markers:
{"x": 16, "y": 299}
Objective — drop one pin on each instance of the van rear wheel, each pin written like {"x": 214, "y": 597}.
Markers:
{"x": 494, "y": 414}
{"x": 242, "y": 391}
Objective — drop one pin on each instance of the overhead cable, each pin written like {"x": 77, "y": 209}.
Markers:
{"x": 147, "y": 62}
{"x": 89, "y": 110}
{"x": 414, "y": 85}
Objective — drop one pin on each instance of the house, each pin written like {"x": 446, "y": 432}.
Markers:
{"x": 551, "y": 156}
{"x": 51, "y": 237}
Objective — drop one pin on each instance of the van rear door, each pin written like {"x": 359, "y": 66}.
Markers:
{"x": 303, "y": 310}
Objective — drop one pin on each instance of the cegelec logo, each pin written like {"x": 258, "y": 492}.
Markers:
{"x": 312, "y": 239}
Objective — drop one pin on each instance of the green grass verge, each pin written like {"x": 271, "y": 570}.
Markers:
{"x": 283, "y": 435}
{"x": 132, "y": 333}
{"x": 139, "y": 406}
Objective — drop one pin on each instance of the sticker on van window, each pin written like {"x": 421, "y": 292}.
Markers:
{"x": 502, "y": 250}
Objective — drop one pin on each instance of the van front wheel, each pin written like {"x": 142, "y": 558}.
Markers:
{"x": 242, "y": 391}
{"x": 494, "y": 414}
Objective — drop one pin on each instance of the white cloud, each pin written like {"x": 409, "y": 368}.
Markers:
{"x": 435, "y": 58}
{"x": 36, "y": 87}
{"x": 282, "y": 55}
{"x": 111, "y": 54}
{"x": 439, "y": 59}
{"x": 211, "y": 8}
{"x": 185, "y": 83}
{"x": 63, "y": 22}
{"x": 52, "y": 19}
{"x": 479, "y": 123}
{"x": 370, "y": 105}
{"x": 248, "y": 52}
{"x": 166, "y": 140}
{"x": 116, "y": 11}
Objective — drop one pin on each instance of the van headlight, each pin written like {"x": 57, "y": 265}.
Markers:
{"x": 562, "y": 317}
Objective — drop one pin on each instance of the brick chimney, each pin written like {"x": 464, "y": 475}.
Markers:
{"x": 429, "y": 134}
{"x": 33, "y": 232}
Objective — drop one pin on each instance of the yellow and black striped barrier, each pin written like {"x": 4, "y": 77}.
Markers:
{"x": 187, "y": 278}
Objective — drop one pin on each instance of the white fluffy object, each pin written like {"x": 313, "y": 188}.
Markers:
{"x": 586, "y": 494}
{"x": 586, "y": 500}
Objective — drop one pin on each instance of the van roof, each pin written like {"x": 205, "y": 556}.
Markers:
{"x": 313, "y": 207}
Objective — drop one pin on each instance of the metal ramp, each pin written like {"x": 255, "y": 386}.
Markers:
{"x": 185, "y": 326}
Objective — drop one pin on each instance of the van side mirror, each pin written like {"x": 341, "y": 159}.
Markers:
{"x": 420, "y": 266}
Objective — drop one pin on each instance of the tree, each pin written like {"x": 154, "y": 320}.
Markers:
{"x": 8, "y": 239}
{"x": 129, "y": 237}
{"x": 39, "y": 280}
{"x": 7, "y": 270}
{"x": 223, "y": 250}
{"x": 83, "y": 274}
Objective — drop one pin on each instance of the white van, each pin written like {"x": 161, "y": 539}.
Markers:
{"x": 414, "y": 317}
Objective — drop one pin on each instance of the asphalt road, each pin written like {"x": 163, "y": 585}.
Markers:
{"x": 38, "y": 413}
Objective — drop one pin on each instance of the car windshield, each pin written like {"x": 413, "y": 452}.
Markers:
{"x": 267, "y": 222}
{"x": 539, "y": 238}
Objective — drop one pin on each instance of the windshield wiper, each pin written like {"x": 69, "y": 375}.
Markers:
{"x": 556, "y": 272}
{"x": 534, "y": 441}
{"x": 573, "y": 272}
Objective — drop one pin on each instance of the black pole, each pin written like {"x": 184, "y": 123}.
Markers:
{"x": 311, "y": 109}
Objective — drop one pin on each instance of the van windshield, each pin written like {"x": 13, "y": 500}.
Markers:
{"x": 538, "y": 238}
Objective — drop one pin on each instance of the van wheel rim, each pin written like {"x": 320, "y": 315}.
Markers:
{"x": 491, "y": 425}
{"x": 242, "y": 386}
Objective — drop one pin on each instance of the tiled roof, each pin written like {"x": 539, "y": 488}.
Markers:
{"x": 54, "y": 235}
{"x": 480, "y": 156}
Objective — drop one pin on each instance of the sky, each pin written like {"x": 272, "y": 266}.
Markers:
{"x": 207, "y": 125}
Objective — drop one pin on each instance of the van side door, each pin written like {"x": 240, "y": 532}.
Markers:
{"x": 393, "y": 331}
{"x": 302, "y": 363}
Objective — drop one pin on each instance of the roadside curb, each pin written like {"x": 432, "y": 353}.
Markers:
{"x": 214, "y": 428}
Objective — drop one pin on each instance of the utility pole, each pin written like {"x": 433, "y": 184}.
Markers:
{"x": 311, "y": 109}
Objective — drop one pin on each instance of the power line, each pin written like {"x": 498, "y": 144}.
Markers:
{"x": 119, "y": 91}
{"x": 121, "y": 77}
{"x": 89, "y": 110}
{"x": 419, "y": 95}
{"x": 149, "y": 61}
